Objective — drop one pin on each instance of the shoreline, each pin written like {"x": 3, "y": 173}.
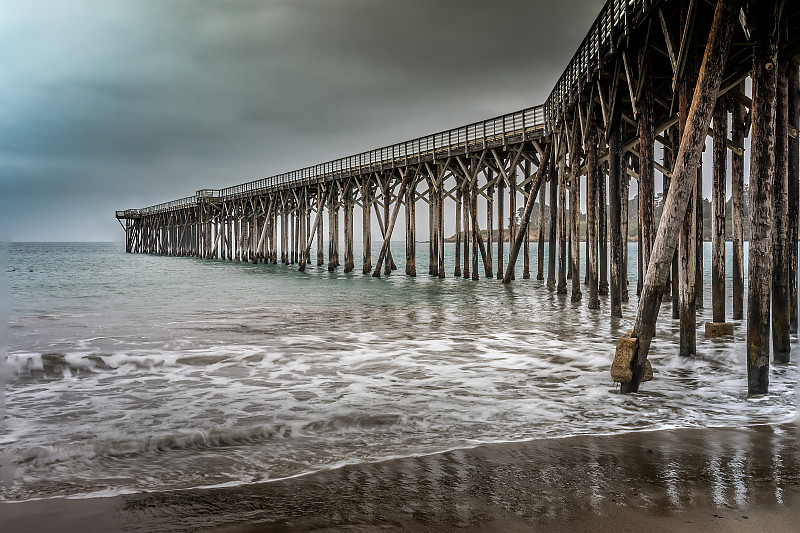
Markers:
{"x": 718, "y": 479}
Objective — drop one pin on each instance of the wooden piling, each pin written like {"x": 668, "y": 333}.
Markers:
{"x": 389, "y": 259}
{"x": 780, "y": 233}
{"x": 332, "y": 231}
{"x": 592, "y": 177}
{"x": 542, "y": 215}
{"x": 624, "y": 193}
{"x": 440, "y": 221}
{"x": 411, "y": 213}
{"x": 561, "y": 287}
{"x": 687, "y": 302}
{"x": 602, "y": 234}
{"x": 553, "y": 227}
{"x": 467, "y": 235}
{"x": 512, "y": 209}
{"x": 575, "y": 217}
{"x": 699, "y": 239}
{"x": 526, "y": 243}
{"x": 793, "y": 164}
{"x": 646, "y": 161}
{"x": 737, "y": 208}
{"x": 762, "y": 179}
{"x": 349, "y": 259}
{"x": 473, "y": 205}
{"x": 615, "y": 212}
{"x": 457, "y": 269}
{"x": 489, "y": 224}
{"x": 366, "y": 226}
{"x": 500, "y": 230}
{"x": 720, "y": 152}
{"x": 336, "y": 233}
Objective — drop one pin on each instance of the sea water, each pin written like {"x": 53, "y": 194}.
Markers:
{"x": 130, "y": 372}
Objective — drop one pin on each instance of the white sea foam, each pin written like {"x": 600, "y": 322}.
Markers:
{"x": 148, "y": 389}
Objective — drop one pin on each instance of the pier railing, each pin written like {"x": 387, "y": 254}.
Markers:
{"x": 524, "y": 124}
{"x": 614, "y": 20}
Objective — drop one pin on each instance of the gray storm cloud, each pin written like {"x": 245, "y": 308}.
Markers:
{"x": 109, "y": 105}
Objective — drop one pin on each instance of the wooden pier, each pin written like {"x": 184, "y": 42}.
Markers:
{"x": 648, "y": 72}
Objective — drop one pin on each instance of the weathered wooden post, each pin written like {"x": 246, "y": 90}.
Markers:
{"x": 349, "y": 259}
{"x": 411, "y": 213}
{"x": 366, "y": 225}
{"x": 794, "y": 189}
{"x": 500, "y": 230}
{"x": 440, "y": 218}
{"x": 737, "y": 204}
{"x": 717, "y": 326}
{"x": 512, "y": 209}
{"x": 526, "y": 244}
{"x": 602, "y": 233}
{"x": 631, "y": 372}
{"x": 646, "y": 160}
{"x": 489, "y": 223}
{"x": 465, "y": 215}
{"x": 762, "y": 178}
{"x": 780, "y": 233}
{"x": 285, "y": 232}
{"x": 553, "y": 227}
{"x": 615, "y": 211}
{"x": 575, "y": 216}
{"x": 389, "y": 262}
{"x": 542, "y": 215}
{"x": 332, "y": 200}
{"x": 561, "y": 288}
{"x": 699, "y": 237}
{"x": 308, "y": 232}
{"x": 624, "y": 192}
{"x": 336, "y": 230}
{"x": 457, "y": 269}
{"x": 473, "y": 205}
{"x": 640, "y": 244}
{"x": 293, "y": 233}
{"x": 687, "y": 241}
{"x": 592, "y": 177}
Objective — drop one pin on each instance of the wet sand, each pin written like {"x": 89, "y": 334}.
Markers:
{"x": 675, "y": 480}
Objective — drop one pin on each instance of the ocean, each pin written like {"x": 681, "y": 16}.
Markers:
{"x": 127, "y": 373}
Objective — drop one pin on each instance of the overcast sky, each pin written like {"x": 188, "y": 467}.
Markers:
{"x": 109, "y": 105}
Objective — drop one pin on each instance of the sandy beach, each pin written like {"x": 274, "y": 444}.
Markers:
{"x": 672, "y": 480}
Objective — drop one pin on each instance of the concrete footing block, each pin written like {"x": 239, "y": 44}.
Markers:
{"x": 719, "y": 329}
{"x": 621, "y": 367}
